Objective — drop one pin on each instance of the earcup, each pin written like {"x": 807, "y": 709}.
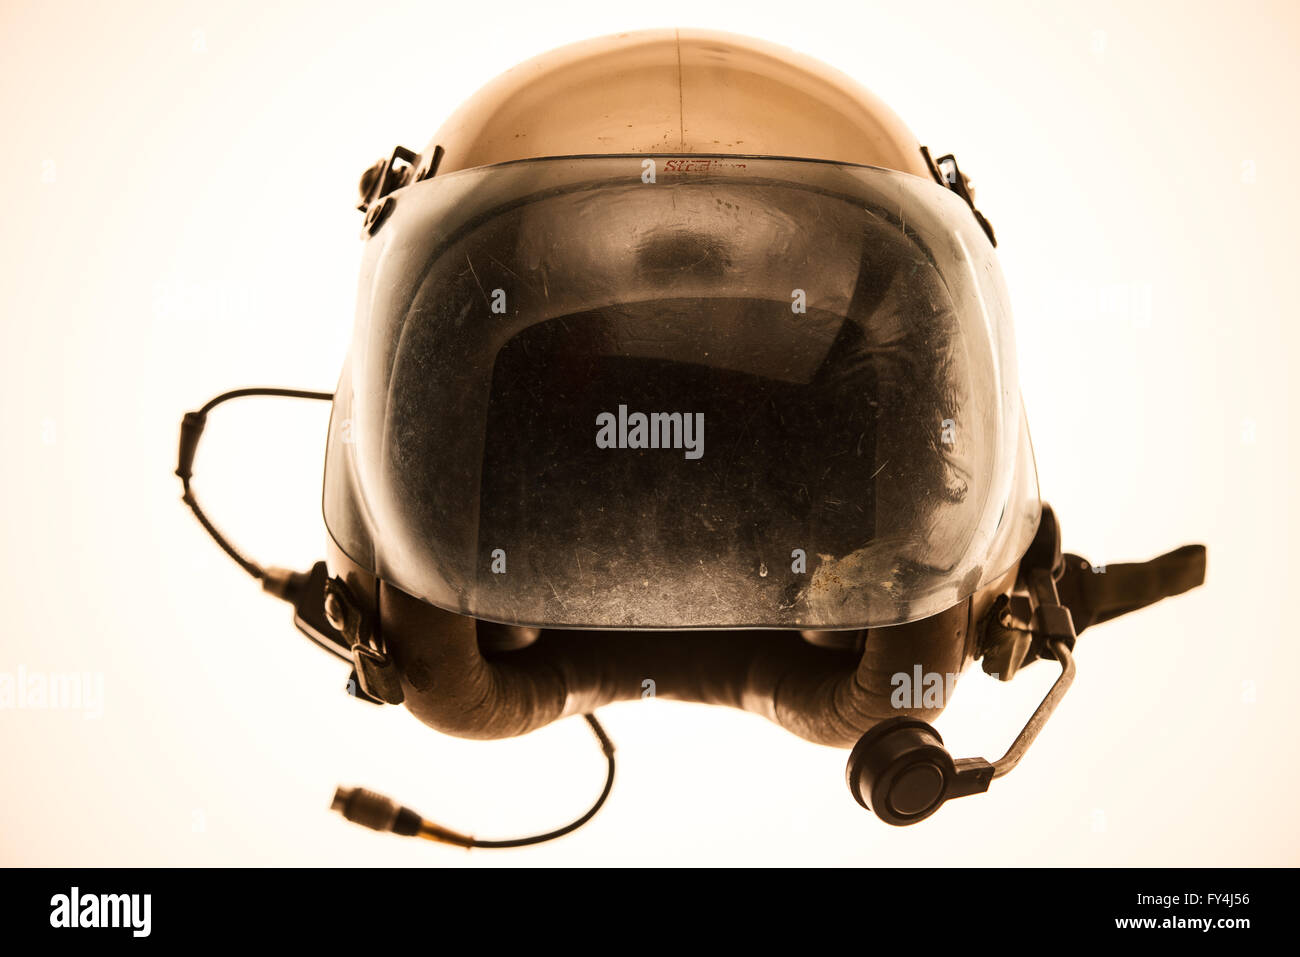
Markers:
{"x": 900, "y": 770}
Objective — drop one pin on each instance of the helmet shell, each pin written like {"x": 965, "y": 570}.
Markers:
{"x": 676, "y": 91}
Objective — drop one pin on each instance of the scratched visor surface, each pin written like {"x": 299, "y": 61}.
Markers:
{"x": 752, "y": 393}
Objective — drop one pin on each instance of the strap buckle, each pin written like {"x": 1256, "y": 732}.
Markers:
{"x": 1026, "y": 624}
{"x": 374, "y": 675}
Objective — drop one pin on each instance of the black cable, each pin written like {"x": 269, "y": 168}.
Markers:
{"x": 264, "y": 390}
{"x": 607, "y": 746}
{"x": 382, "y": 813}
{"x": 248, "y": 565}
{"x": 192, "y": 426}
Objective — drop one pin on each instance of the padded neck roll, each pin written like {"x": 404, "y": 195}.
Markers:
{"x": 827, "y": 696}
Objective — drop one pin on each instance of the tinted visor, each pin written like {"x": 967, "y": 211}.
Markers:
{"x": 740, "y": 393}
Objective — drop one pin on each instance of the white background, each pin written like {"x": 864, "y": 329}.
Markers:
{"x": 179, "y": 182}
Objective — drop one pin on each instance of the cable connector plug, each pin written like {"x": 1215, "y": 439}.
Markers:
{"x": 381, "y": 813}
{"x": 376, "y": 811}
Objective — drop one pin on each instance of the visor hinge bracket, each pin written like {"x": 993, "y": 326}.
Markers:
{"x": 374, "y": 675}
{"x": 948, "y": 174}
{"x": 403, "y": 168}
{"x": 1022, "y": 626}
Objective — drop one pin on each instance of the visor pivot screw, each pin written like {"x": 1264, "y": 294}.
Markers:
{"x": 376, "y": 214}
{"x": 335, "y": 613}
